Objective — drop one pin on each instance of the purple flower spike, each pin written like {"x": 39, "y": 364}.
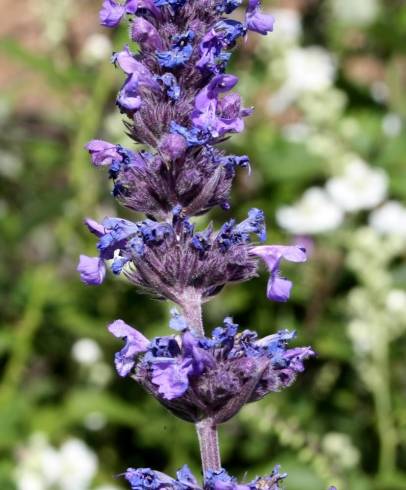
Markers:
{"x": 144, "y": 33}
{"x": 145, "y": 478}
{"x": 92, "y": 270}
{"x": 136, "y": 344}
{"x": 278, "y": 287}
{"x": 256, "y": 20}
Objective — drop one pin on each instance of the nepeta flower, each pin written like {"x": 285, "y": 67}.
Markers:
{"x": 256, "y": 20}
{"x": 197, "y": 376}
{"x": 112, "y": 11}
{"x": 136, "y": 343}
{"x": 143, "y": 478}
{"x": 180, "y": 52}
{"x": 167, "y": 259}
{"x": 177, "y": 103}
{"x": 144, "y": 182}
{"x": 278, "y": 287}
{"x": 92, "y": 270}
{"x": 146, "y": 34}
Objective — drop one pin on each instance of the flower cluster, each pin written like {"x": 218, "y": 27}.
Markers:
{"x": 179, "y": 104}
{"x": 166, "y": 259}
{"x": 142, "y": 478}
{"x": 199, "y": 377}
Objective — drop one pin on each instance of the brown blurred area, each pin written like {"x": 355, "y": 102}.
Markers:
{"x": 41, "y": 29}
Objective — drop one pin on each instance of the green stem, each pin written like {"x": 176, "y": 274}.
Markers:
{"x": 24, "y": 335}
{"x": 383, "y": 407}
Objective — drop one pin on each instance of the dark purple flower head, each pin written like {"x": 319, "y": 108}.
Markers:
{"x": 176, "y": 102}
{"x": 196, "y": 377}
{"x": 145, "y": 478}
{"x": 167, "y": 259}
{"x": 155, "y": 184}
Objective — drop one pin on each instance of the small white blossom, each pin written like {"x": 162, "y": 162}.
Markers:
{"x": 359, "y": 12}
{"x": 379, "y": 91}
{"x": 97, "y": 48}
{"x": 389, "y": 219}
{"x": 339, "y": 446}
{"x": 360, "y": 187}
{"x": 43, "y": 467}
{"x": 310, "y": 69}
{"x": 78, "y": 465}
{"x": 392, "y": 125}
{"x": 396, "y": 301}
{"x": 360, "y": 334}
{"x": 95, "y": 421}
{"x": 86, "y": 351}
{"x": 289, "y": 24}
{"x": 314, "y": 213}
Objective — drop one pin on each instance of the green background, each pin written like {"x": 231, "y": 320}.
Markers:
{"x": 53, "y": 100}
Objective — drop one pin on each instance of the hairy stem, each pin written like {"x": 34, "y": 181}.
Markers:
{"x": 192, "y": 311}
{"x": 191, "y": 304}
{"x": 209, "y": 445}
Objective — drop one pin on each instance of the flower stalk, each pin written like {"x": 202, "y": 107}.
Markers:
{"x": 177, "y": 102}
{"x": 209, "y": 445}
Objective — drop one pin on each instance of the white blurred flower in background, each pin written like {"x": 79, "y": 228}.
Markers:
{"x": 289, "y": 24}
{"x": 340, "y": 447}
{"x": 396, "y": 301}
{"x": 360, "y": 334}
{"x": 355, "y": 13}
{"x": 392, "y": 124}
{"x": 310, "y": 69}
{"x": 314, "y": 213}
{"x": 95, "y": 421}
{"x": 78, "y": 465}
{"x": 86, "y": 351}
{"x": 389, "y": 219}
{"x": 360, "y": 186}
{"x": 41, "y": 467}
{"x": 11, "y": 165}
{"x": 96, "y": 48}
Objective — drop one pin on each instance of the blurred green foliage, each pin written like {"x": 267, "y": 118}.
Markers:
{"x": 344, "y": 420}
